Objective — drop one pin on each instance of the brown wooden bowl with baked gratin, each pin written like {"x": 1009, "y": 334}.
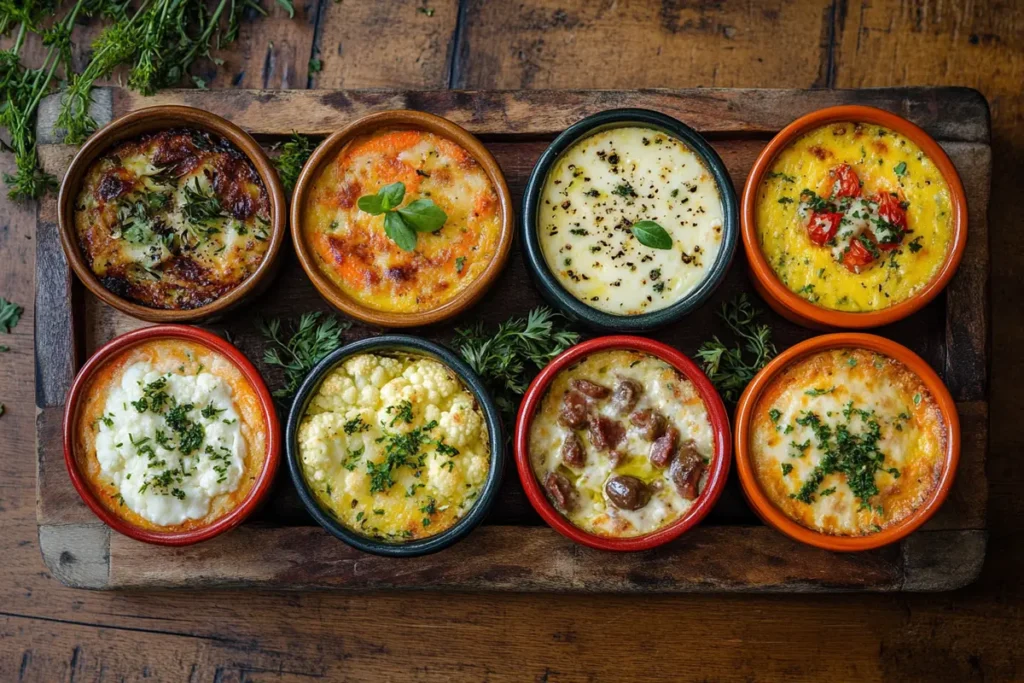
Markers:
{"x": 172, "y": 214}
{"x": 396, "y": 172}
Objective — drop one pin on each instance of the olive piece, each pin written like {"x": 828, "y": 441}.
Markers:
{"x": 627, "y": 393}
{"x": 626, "y": 492}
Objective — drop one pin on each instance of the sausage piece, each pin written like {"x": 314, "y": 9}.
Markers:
{"x": 573, "y": 454}
{"x": 686, "y": 470}
{"x": 627, "y": 393}
{"x": 664, "y": 448}
{"x": 650, "y": 423}
{"x": 591, "y": 389}
{"x": 574, "y": 410}
{"x": 605, "y": 433}
{"x": 561, "y": 490}
{"x": 626, "y": 492}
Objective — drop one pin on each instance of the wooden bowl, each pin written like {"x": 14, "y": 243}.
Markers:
{"x": 265, "y": 478}
{"x": 767, "y": 510}
{"x": 799, "y": 310}
{"x": 154, "y": 119}
{"x": 717, "y": 476}
{"x": 400, "y": 119}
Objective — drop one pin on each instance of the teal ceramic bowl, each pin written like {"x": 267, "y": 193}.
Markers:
{"x": 418, "y": 347}
{"x": 553, "y": 291}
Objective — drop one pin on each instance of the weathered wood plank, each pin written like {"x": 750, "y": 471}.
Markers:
{"x": 643, "y": 43}
{"x": 507, "y": 559}
{"x": 953, "y": 114}
{"x": 396, "y": 44}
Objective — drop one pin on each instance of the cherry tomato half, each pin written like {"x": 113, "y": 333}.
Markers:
{"x": 845, "y": 181}
{"x": 857, "y": 256}
{"x": 891, "y": 211}
{"x": 823, "y": 226}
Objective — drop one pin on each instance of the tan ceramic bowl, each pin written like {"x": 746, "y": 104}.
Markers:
{"x": 329, "y": 149}
{"x": 151, "y": 120}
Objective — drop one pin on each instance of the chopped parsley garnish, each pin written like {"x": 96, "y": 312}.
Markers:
{"x": 354, "y": 425}
{"x": 820, "y": 391}
{"x": 915, "y": 245}
{"x": 460, "y": 263}
{"x": 786, "y": 468}
{"x": 774, "y": 414}
{"x": 624, "y": 190}
{"x": 900, "y": 169}
{"x": 401, "y": 413}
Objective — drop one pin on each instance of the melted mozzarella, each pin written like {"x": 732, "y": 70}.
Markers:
{"x": 602, "y": 185}
{"x": 851, "y": 389}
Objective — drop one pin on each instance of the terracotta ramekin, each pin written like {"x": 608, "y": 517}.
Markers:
{"x": 112, "y": 350}
{"x": 152, "y": 120}
{"x": 719, "y": 470}
{"x": 327, "y": 151}
{"x": 767, "y": 510}
{"x": 801, "y": 311}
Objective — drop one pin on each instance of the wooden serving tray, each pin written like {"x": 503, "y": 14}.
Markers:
{"x": 280, "y": 547}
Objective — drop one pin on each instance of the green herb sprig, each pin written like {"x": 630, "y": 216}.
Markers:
{"x": 297, "y": 348}
{"x": 401, "y": 223}
{"x": 508, "y": 359}
{"x": 294, "y": 154}
{"x": 10, "y": 315}
{"x": 730, "y": 369}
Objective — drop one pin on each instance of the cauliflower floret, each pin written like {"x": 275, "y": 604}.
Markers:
{"x": 461, "y": 424}
{"x": 371, "y": 370}
{"x": 393, "y": 392}
{"x": 317, "y": 435}
{"x": 435, "y": 380}
{"x": 357, "y": 483}
{"x": 335, "y": 394}
{"x": 444, "y": 474}
{"x": 477, "y": 467}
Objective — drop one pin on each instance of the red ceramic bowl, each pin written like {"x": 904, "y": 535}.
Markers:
{"x": 767, "y": 510}
{"x": 716, "y": 414}
{"x": 793, "y": 306}
{"x": 259, "y": 490}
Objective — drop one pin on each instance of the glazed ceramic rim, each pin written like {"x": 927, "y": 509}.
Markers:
{"x": 795, "y": 307}
{"x": 416, "y": 346}
{"x": 401, "y": 119}
{"x": 152, "y": 120}
{"x": 109, "y": 352}
{"x": 772, "y": 515}
{"x": 533, "y": 255}
{"x": 717, "y": 415}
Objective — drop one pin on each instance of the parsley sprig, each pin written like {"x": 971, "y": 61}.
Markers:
{"x": 508, "y": 359}
{"x": 730, "y": 369}
{"x": 297, "y": 348}
{"x": 292, "y": 158}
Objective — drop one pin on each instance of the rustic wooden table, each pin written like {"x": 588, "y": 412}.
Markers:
{"x": 50, "y": 633}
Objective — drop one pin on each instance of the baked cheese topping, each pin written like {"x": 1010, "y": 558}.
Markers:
{"x": 604, "y": 184}
{"x": 621, "y": 444}
{"x": 394, "y": 447}
{"x": 854, "y": 217}
{"x": 171, "y": 436}
{"x": 354, "y": 251}
{"x": 173, "y": 220}
{"x": 847, "y": 442}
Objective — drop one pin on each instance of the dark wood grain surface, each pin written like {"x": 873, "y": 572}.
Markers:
{"x": 48, "y": 633}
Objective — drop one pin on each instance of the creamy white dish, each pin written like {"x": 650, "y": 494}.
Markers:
{"x": 621, "y": 444}
{"x": 603, "y": 186}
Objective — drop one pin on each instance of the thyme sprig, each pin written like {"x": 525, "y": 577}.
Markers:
{"x": 730, "y": 369}
{"x": 296, "y": 349}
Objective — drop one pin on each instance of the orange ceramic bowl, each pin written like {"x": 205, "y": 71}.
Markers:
{"x": 798, "y": 309}
{"x": 772, "y": 515}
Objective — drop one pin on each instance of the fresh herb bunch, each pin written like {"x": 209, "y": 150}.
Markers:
{"x": 508, "y": 359}
{"x": 159, "y": 39}
{"x": 296, "y": 349}
{"x": 401, "y": 223}
{"x": 731, "y": 369}
{"x": 292, "y": 158}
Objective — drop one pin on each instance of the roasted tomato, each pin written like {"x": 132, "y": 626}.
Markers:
{"x": 858, "y": 256}
{"x": 823, "y": 226}
{"x": 890, "y": 210}
{"x": 845, "y": 182}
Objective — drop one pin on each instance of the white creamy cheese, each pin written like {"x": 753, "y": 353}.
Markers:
{"x": 140, "y": 451}
{"x": 602, "y": 185}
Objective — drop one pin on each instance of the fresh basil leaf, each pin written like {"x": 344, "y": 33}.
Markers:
{"x": 391, "y": 195}
{"x": 371, "y": 204}
{"x": 652, "y": 235}
{"x": 396, "y": 228}
{"x": 423, "y": 215}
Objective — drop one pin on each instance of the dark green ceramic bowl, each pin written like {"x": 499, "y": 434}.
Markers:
{"x": 553, "y": 291}
{"x": 419, "y": 347}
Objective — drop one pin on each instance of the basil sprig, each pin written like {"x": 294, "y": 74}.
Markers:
{"x": 402, "y": 224}
{"x": 652, "y": 235}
